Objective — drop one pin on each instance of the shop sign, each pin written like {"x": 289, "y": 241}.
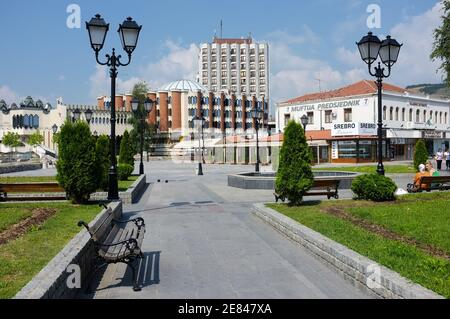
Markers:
{"x": 334, "y": 150}
{"x": 398, "y": 141}
{"x": 353, "y": 129}
{"x": 328, "y": 105}
{"x": 432, "y": 134}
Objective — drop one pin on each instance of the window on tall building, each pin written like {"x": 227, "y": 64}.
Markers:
{"x": 252, "y": 66}
{"x": 214, "y": 65}
{"x": 205, "y": 66}
{"x": 233, "y": 66}
{"x": 243, "y": 66}
{"x": 243, "y": 74}
{"x": 262, "y": 58}
{"x": 243, "y": 81}
{"x": 253, "y": 89}
{"x": 233, "y": 51}
{"x": 252, "y": 51}
{"x": 243, "y": 58}
{"x": 243, "y": 51}
{"x": 224, "y": 81}
{"x": 328, "y": 116}
{"x": 252, "y": 74}
{"x": 348, "y": 115}
{"x": 224, "y": 66}
{"x": 262, "y": 73}
{"x": 262, "y": 66}
{"x": 262, "y": 88}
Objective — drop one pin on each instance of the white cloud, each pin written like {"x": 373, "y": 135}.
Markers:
{"x": 416, "y": 34}
{"x": 7, "y": 94}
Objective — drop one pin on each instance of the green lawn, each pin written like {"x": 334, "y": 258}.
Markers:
{"x": 423, "y": 217}
{"x": 123, "y": 185}
{"x": 24, "y": 257}
{"x": 390, "y": 169}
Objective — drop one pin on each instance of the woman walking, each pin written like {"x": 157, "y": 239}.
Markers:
{"x": 447, "y": 158}
{"x": 439, "y": 157}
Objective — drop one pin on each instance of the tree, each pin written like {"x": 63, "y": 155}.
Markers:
{"x": 441, "y": 46}
{"x": 103, "y": 161}
{"x": 126, "y": 154}
{"x": 11, "y": 139}
{"x": 35, "y": 139}
{"x": 420, "y": 154}
{"x": 294, "y": 177}
{"x": 76, "y": 166}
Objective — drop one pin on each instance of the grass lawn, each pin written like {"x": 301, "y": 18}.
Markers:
{"x": 123, "y": 185}
{"x": 424, "y": 218}
{"x": 390, "y": 169}
{"x": 24, "y": 257}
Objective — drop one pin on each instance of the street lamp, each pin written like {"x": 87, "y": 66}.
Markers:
{"x": 88, "y": 113}
{"x": 370, "y": 47}
{"x": 76, "y": 115}
{"x": 198, "y": 124}
{"x": 129, "y": 34}
{"x": 55, "y": 128}
{"x": 257, "y": 115}
{"x": 304, "y": 120}
{"x": 148, "y": 106}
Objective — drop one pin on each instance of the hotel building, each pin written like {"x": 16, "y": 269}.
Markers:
{"x": 342, "y": 124}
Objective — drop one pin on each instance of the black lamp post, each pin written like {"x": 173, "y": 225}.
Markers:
{"x": 198, "y": 124}
{"x": 55, "y": 128}
{"x": 76, "y": 115}
{"x": 304, "y": 119}
{"x": 129, "y": 34}
{"x": 148, "y": 106}
{"x": 370, "y": 47}
{"x": 88, "y": 114}
{"x": 257, "y": 116}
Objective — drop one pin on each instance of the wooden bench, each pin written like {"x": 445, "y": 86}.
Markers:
{"x": 320, "y": 187}
{"x": 50, "y": 187}
{"x": 441, "y": 183}
{"x": 117, "y": 241}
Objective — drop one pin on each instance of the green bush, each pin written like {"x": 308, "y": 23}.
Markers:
{"x": 374, "y": 187}
{"x": 294, "y": 177}
{"x": 126, "y": 154}
{"x": 11, "y": 139}
{"x": 124, "y": 171}
{"x": 76, "y": 166}
{"x": 102, "y": 157}
{"x": 420, "y": 154}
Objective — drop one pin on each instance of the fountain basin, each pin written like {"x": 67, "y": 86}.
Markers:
{"x": 267, "y": 180}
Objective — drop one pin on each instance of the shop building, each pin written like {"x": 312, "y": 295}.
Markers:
{"x": 342, "y": 124}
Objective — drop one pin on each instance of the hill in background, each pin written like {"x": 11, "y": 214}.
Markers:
{"x": 439, "y": 90}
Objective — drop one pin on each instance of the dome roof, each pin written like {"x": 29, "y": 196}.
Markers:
{"x": 184, "y": 85}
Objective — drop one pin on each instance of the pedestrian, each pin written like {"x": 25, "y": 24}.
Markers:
{"x": 439, "y": 156}
{"x": 447, "y": 158}
{"x": 430, "y": 169}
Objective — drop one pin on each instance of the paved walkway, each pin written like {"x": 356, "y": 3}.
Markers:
{"x": 203, "y": 242}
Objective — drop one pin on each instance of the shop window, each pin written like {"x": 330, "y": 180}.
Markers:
{"x": 348, "y": 115}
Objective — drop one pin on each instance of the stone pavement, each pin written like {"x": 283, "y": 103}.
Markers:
{"x": 203, "y": 242}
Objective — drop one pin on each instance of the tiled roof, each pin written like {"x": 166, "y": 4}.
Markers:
{"x": 358, "y": 88}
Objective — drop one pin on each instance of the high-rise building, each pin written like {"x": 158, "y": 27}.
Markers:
{"x": 238, "y": 66}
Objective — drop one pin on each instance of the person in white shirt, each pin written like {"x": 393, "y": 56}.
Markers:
{"x": 447, "y": 158}
{"x": 439, "y": 157}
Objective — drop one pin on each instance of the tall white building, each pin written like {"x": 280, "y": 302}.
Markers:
{"x": 235, "y": 65}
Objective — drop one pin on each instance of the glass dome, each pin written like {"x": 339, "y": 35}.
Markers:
{"x": 184, "y": 85}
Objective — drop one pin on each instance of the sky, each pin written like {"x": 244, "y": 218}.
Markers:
{"x": 311, "y": 43}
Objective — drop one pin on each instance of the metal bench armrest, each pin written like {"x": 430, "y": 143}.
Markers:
{"x": 130, "y": 243}
{"x": 138, "y": 221}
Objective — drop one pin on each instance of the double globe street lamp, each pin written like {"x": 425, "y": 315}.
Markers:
{"x": 142, "y": 115}
{"x": 257, "y": 115}
{"x": 129, "y": 34}
{"x": 371, "y": 47}
{"x": 77, "y": 115}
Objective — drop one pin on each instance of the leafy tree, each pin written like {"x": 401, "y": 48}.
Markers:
{"x": 441, "y": 46}
{"x": 11, "y": 139}
{"x": 77, "y": 167}
{"x": 294, "y": 177}
{"x": 420, "y": 154}
{"x": 126, "y": 154}
{"x": 35, "y": 139}
{"x": 102, "y": 157}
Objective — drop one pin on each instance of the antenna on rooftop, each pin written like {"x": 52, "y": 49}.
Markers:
{"x": 221, "y": 29}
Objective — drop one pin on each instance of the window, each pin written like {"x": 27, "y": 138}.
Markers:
{"x": 445, "y": 118}
{"x": 252, "y": 66}
{"x": 262, "y": 66}
{"x": 205, "y": 81}
{"x": 243, "y": 66}
{"x": 347, "y": 115}
{"x": 424, "y": 116}
{"x": 252, "y": 51}
{"x": 233, "y": 74}
{"x": 262, "y": 59}
{"x": 233, "y": 66}
{"x": 214, "y": 65}
{"x": 243, "y": 74}
{"x": 224, "y": 74}
{"x": 224, "y": 81}
{"x": 243, "y": 58}
{"x": 391, "y": 113}
{"x": 396, "y": 113}
{"x": 328, "y": 116}
{"x": 410, "y": 115}
{"x": 287, "y": 118}
{"x": 262, "y": 73}
{"x": 436, "y": 117}
{"x": 384, "y": 113}
{"x": 310, "y": 117}
{"x": 403, "y": 114}
{"x": 233, "y": 51}
{"x": 252, "y": 74}
{"x": 243, "y": 81}
{"x": 242, "y": 51}
{"x": 224, "y": 66}
{"x": 417, "y": 116}
{"x": 205, "y": 65}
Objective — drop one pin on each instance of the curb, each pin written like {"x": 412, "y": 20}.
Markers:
{"x": 359, "y": 270}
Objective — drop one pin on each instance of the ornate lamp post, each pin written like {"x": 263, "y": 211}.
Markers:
{"x": 304, "y": 120}
{"x": 198, "y": 124}
{"x": 148, "y": 106}
{"x": 257, "y": 115}
{"x": 370, "y": 47}
{"x": 129, "y": 34}
{"x": 76, "y": 115}
{"x": 88, "y": 114}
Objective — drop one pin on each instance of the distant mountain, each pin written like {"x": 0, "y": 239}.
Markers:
{"x": 441, "y": 90}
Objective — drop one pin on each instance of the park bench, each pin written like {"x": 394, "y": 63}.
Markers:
{"x": 116, "y": 241}
{"x": 320, "y": 187}
{"x": 441, "y": 183}
{"x": 40, "y": 188}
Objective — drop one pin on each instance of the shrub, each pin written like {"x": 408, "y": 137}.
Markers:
{"x": 11, "y": 139}
{"x": 124, "y": 171}
{"x": 126, "y": 154}
{"x": 420, "y": 154}
{"x": 35, "y": 139}
{"x": 294, "y": 177}
{"x": 102, "y": 155}
{"x": 374, "y": 187}
{"x": 76, "y": 166}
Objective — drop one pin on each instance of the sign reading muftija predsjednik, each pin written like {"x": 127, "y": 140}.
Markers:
{"x": 354, "y": 129}
{"x": 329, "y": 105}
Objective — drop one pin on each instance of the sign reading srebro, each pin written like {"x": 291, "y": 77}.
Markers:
{"x": 354, "y": 129}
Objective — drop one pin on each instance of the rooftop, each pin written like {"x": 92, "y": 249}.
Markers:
{"x": 184, "y": 85}
{"x": 232, "y": 40}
